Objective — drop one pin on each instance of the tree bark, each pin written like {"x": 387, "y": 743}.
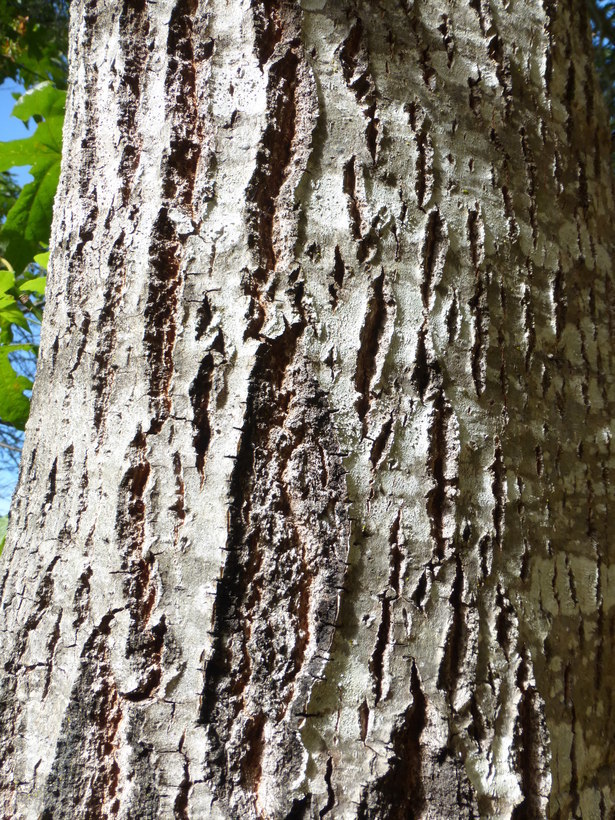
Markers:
{"x": 313, "y": 513}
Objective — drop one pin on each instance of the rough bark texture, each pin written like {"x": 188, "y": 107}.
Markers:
{"x": 313, "y": 515}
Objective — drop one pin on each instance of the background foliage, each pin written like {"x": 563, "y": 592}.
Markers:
{"x": 33, "y": 45}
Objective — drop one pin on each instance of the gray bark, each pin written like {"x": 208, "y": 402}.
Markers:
{"x": 313, "y": 514}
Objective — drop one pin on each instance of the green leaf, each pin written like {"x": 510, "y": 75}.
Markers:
{"x": 5, "y": 300}
{"x": 4, "y": 520}
{"x": 45, "y": 142}
{"x": 30, "y": 216}
{"x": 13, "y": 316}
{"x": 7, "y": 280}
{"x": 17, "y": 249}
{"x": 17, "y": 153}
{"x": 14, "y": 406}
{"x": 43, "y": 100}
{"x": 36, "y": 285}
{"x": 42, "y": 260}
{"x": 28, "y": 222}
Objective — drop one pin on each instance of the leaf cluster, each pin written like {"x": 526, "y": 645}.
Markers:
{"x": 33, "y": 48}
{"x": 33, "y": 41}
{"x": 24, "y": 241}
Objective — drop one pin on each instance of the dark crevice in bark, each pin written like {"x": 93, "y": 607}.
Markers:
{"x": 372, "y": 131}
{"x": 530, "y": 172}
{"x": 455, "y": 644}
{"x": 268, "y": 27}
{"x": 400, "y": 794}
{"x": 272, "y": 159}
{"x": 503, "y": 376}
{"x": 277, "y": 598}
{"x": 478, "y": 8}
{"x": 434, "y": 253}
{"x": 448, "y": 39}
{"x": 502, "y": 72}
{"x": 199, "y": 392}
{"x": 529, "y": 326}
{"x": 480, "y": 310}
{"x": 145, "y": 644}
{"x": 425, "y": 370}
{"x": 513, "y": 228}
{"x": 529, "y": 748}
{"x": 106, "y": 332}
{"x": 474, "y": 237}
{"x": 363, "y": 715}
{"x": 180, "y": 806}
{"x": 569, "y": 94}
{"x": 283, "y": 150}
{"x": 376, "y": 662}
{"x": 88, "y": 739}
{"x": 51, "y": 486}
{"x": 354, "y": 60}
{"x": 369, "y": 341}
{"x": 438, "y": 495}
{"x": 252, "y": 752}
{"x": 477, "y": 729}
{"x": 81, "y": 600}
{"x": 339, "y": 269}
{"x": 380, "y": 442}
{"x": 424, "y": 180}
{"x": 418, "y": 595}
{"x": 350, "y": 186}
{"x": 83, "y": 340}
{"x": 485, "y": 550}
{"x": 505, "y": 623}
{"x": 86, "y": 232}
{"x": 475, "y": 95}
{"x": 330, "y": 794}
{"x": 396, "y": 556}
{"x": 452, "y": 319}
{"x": 160, "y": 331}
{"x": 498, "y": 487}
{"x": 204, "y": 316}
{"x": 428, "y": 71}
{"x": 299, "y": 808}
{"x": 178, "y": 507}
{"x": 133, "y": 30}
{"x": 424, "y": 168}
{"x": 560, "y": 301}
{"x": 178, "y": 180}
{"x": 51, "y": 647}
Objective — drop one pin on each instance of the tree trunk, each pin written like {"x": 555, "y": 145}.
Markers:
{"x": 313, "y": 514}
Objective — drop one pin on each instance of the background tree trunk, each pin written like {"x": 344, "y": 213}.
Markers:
{"x": 313, "y": 510}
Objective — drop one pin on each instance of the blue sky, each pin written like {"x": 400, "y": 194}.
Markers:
{"x": 10, "y": 127}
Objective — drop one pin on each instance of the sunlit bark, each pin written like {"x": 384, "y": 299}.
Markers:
{"x": 313, "y": 514}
